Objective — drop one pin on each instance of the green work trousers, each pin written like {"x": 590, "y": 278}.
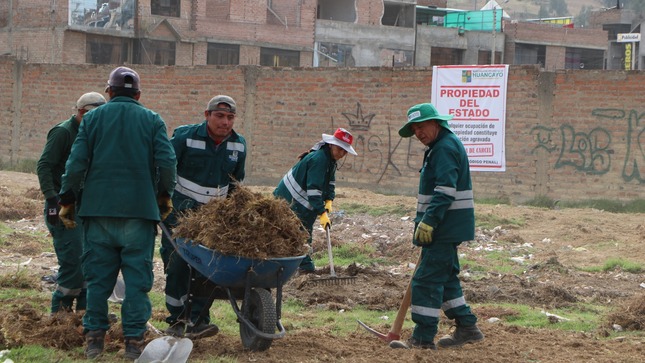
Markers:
{"x": 70, "y": 285}
{"x": 113, "y": 245}
{"x": 177, "y": 281}
{"x": 436, "y": 287}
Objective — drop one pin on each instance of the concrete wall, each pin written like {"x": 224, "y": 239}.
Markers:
{"x": 570, "y": 134}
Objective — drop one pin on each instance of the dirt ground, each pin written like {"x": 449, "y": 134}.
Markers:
{"x": 549, "y": 246}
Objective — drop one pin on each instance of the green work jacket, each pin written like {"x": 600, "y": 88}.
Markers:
{"x": 309, "y": 183}
{"x": 445, "y": 199}
{"x": 205, "y": 170}
{"x": 51, "y": 164}
{"x": 123, "y": 158}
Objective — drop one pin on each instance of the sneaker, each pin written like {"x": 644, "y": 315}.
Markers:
{"x": 133, "y": 347}
{"x": 460, "y": 336}
{"x": 202, "y": 330}
{"x": 420, "y": 344}
{"x": 95, "y": 340}
{"x": 177, "y": 329}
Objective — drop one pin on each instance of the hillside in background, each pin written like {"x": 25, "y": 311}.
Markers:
{"x": 525, "y": 9}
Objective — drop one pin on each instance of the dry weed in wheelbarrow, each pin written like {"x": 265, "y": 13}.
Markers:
{"x": 245, "y": 224}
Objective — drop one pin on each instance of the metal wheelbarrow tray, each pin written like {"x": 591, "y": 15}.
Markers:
{"x": 234, "y": 277}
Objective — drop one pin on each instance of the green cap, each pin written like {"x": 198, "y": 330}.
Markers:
{"x": 423, "y": 112}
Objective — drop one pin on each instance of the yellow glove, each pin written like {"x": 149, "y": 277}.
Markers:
{"x": 66, "y": 215}
{"x": 423, "y": 234}
{"x": 328, "y": 205}
{"x": 324, "y": 220}
{"x": 164, "y": 202}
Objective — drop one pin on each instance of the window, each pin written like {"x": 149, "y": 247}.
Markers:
{"x": 223, "y": 54}
{"x": 165, "y": 7}
{"x": 395, "y": 14}
{"x": 105, "y": 14}
{"x": 530, "y": 54}
{"x": 445, "y": 56}
{"x": 483, "y": 57}
{"x": 335, "y": 55}
{"x": 106, "y": 50}
{"x": 279, "y": 57}
{"x": 578, "y": 58}
{"x": 156, "y": 52}
{"x": 337, "y": 10}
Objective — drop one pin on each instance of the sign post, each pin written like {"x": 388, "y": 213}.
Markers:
{"x": 630, "y": 48}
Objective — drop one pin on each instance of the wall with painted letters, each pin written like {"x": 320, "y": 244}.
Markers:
{"x": 574, "y": 134}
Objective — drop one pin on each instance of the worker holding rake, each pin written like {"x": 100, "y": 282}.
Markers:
{"x": 445, "y": 218}
{"x": 309, "y": 186}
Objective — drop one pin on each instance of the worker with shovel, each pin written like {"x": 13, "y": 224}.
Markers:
{"x": 309, "y": 186}
{"x": 445, "y": 218}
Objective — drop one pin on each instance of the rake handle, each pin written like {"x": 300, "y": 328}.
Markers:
{"x": 332, "y": 272}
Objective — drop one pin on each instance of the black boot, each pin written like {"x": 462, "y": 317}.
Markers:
{"x": 133, "y": 347}
{"x": 95, "y": 340}
{"x": 461, "y": 336}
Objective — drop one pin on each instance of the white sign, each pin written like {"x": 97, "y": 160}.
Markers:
{"x": 628, "y": 37}
{"x": 476, "y": 97}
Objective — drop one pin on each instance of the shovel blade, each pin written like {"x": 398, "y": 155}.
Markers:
{"x": 384, "y": 337}
{"x": 165, "y": 350}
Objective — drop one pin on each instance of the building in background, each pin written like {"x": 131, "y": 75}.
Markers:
{"x": 288, "y": 33}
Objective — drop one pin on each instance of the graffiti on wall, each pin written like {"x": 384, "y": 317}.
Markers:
{"x": 376, "y": 148}
{"x": 590, "y": 152}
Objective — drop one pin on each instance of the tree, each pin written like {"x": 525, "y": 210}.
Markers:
{"x": 559, "y": 7}
{"x": 583, "y": 17}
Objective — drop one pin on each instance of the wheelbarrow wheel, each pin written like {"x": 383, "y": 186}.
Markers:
{"x": 262, "y": 314}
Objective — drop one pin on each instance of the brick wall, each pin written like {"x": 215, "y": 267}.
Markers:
{"x": 570, "y": 134}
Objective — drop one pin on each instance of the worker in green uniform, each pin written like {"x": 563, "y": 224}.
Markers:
{"x": 210, "y": 160}
{"x": 124, "y": 161}
{"x": 310, "y": 185}
{"x": 445, "y": 218}
{"x": 68, "y": 243}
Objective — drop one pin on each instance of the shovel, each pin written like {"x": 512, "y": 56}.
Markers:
{"x": 394, "y": 335}
{"x": 166, "y": 350}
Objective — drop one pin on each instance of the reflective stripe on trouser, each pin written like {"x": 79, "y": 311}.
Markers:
{"x": 68, "y": 244}
{"x": 178, "y": 284}
{"x": 436, "y": 286}
{"x": 113, "y": 244}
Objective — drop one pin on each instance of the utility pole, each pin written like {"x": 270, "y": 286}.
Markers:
{"x": 492, "y": 49}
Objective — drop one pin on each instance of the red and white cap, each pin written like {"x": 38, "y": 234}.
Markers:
{"x": 341, "y": 138}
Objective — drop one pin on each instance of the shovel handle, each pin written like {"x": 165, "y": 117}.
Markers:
{"x": 397, "y": 325}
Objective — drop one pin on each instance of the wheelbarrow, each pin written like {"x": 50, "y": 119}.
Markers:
{"x": 232, "y": 278}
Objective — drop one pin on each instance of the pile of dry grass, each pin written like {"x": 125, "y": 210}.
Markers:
{"x": 629, "y": 314}
{"x": 245, "y": 224}
{"x": 24, "y": 325}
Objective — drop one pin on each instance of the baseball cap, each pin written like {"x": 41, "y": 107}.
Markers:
{"x": 212, "y": 104}
{"x": 123, "y": 77}
{"x": 423, "y": 112}
{"x": 90, "y": 100}
{"x": 341, "y": 138}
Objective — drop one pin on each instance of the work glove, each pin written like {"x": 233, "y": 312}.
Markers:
{"x": 67, "y": 211}
{"x": 423, "y": 234}
{"x": 324, "y": 220}
{"x": 164, "y": 202}
{"x": 53, "y": 208}
{"x": 328, "y": 206}
{"x": 67, "y": 214}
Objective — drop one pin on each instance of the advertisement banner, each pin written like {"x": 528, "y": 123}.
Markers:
{"x": 476, "y": 97}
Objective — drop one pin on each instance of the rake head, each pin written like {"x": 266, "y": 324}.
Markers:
{"x": 333, "y": 281}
